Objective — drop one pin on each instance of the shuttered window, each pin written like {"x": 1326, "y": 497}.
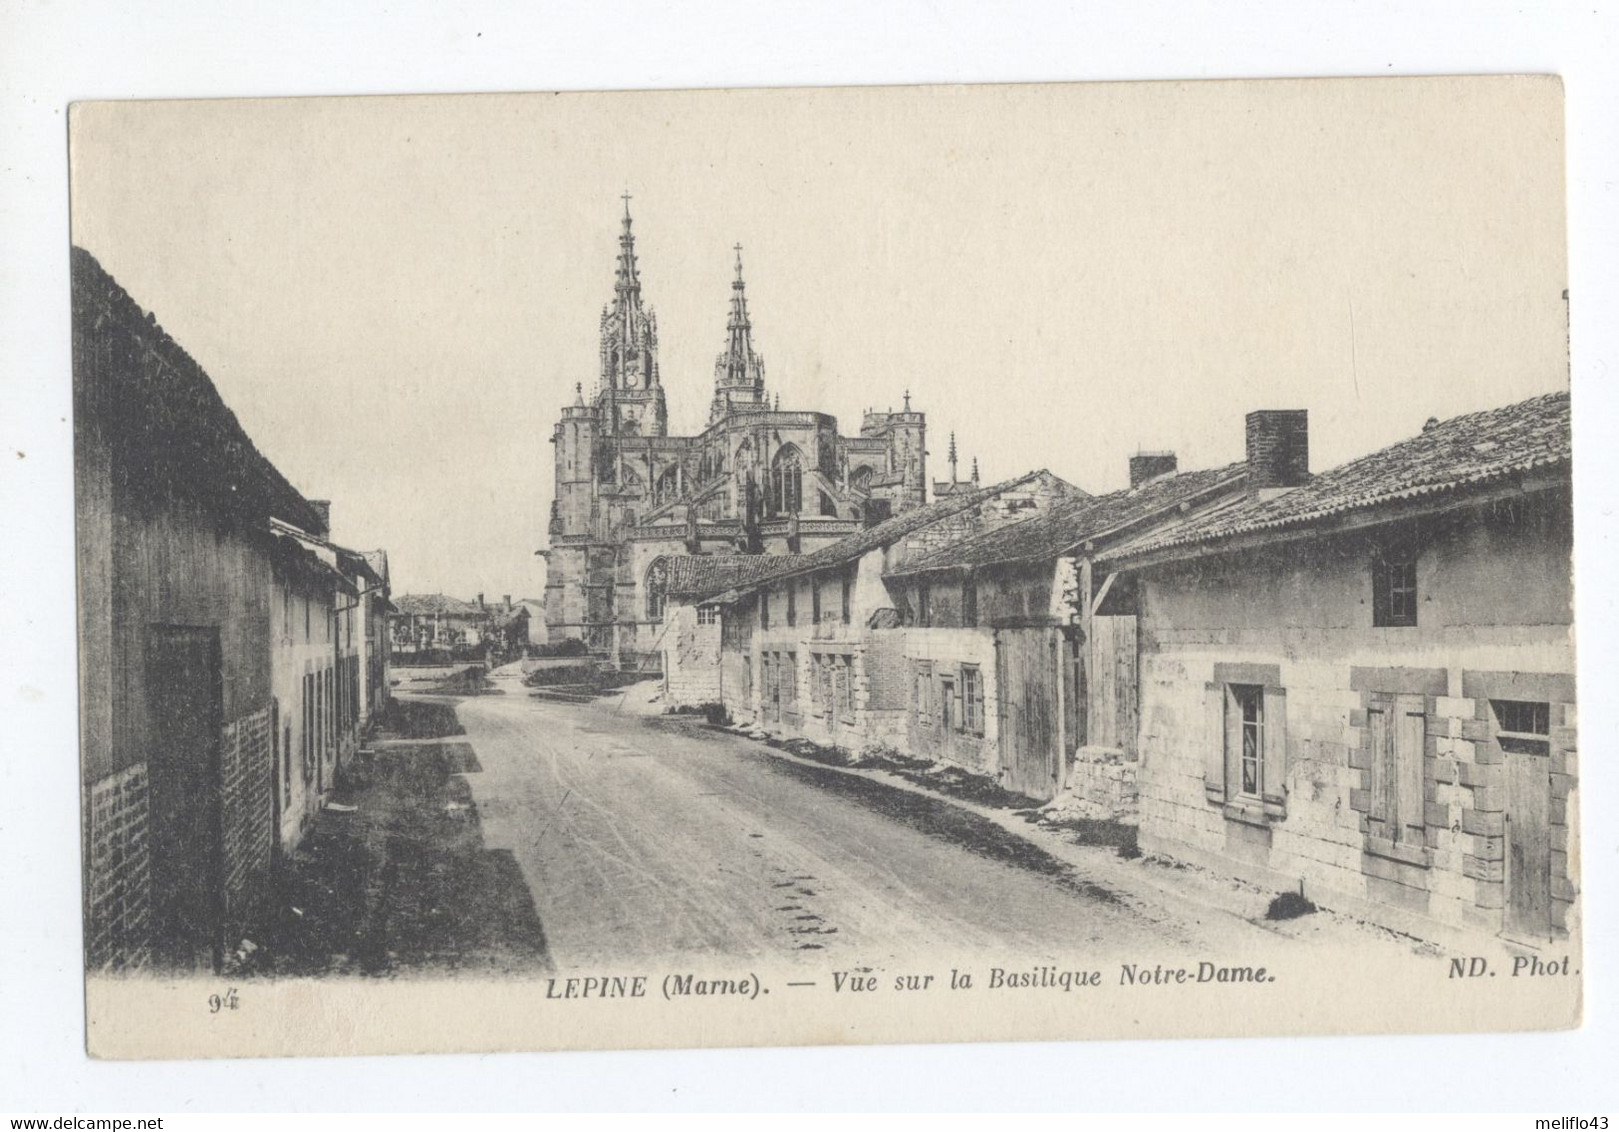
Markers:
{"x": 972, "y": 699}
{"x": 1245, "y": 752}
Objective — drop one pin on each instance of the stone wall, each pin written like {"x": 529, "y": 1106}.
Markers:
{"x": 945, "y": 651}
{"x": 1326, "y": 667}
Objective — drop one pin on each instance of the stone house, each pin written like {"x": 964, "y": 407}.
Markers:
{"x": 1013, "y": 676}
{"x": 814, "y": 645}
{"x": 1361, "y": 683}
{"x": 328, "y": 667}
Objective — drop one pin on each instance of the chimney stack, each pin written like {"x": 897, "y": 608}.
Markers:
{"x": 323, "y": 508}
{"x": 507, "y": 599}
{"x": 1145, "y": 466}
{"x": 480, "y": 600}
{"x": 1278, "y": 448}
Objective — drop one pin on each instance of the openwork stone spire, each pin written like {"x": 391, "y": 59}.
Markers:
{"x": 629, "y": 329}
{"x": 739, "y": 373}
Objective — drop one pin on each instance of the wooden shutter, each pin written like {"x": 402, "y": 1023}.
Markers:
{"x": 1214, "y": 742}
{"x": 1412, "y": 724}
{"x": 1274, "y": 786}
{"x": 1378, "y": 722}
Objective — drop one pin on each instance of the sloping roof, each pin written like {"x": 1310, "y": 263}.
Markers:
{"x": 160, "y": 413}
{"x": 889, "y": 531}
{"x": 711, "y": 573}
{"x": 1072, "y": 521}
{"x": 428, "y": 604}
{"x": 1454, "y": 456}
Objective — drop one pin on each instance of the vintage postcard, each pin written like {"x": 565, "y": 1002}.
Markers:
{"x": 1134, "y": 600}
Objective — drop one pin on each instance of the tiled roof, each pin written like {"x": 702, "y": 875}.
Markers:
{"x": 1071, "y": 521}
{"x": 711, "y": 573}
{"x": 885, "y": 533}
{"x": 427, "y": 604}
{"x": 1453, "y": 456}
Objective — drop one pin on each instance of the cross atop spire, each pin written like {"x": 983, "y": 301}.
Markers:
{"x": 626, "y": 197}
{"x": 739, "y": 378}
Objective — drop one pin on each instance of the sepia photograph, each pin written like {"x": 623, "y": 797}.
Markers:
{"x": 820, "y": 566}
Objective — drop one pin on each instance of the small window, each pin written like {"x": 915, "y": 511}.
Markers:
{"x": 969, "y": 601}
{"x": 848, "y": 596}
{"x": 792, "y": 605}
{"x": 708, "y": 615}
{"x": 1394, "y": 589}
{"x": 972, "y": 699}
{"x": 815, "y": 601}
{"x": 1245, "y": 728}
{"x": 1522, "y": 727}
{"x": 764, "y": 609}
{"x": 787, "y": 664}
{"x": 924, "y": 605}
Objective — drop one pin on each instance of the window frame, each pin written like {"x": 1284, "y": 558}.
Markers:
{"x": 972, "y": 699}
{"x": 1534, "y": 740}
{"x": 1241, "y": 697}
{"x": 1395, "y": 601}
{"x": 922, "y": 683}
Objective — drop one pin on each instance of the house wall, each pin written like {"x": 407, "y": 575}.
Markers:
{"x": 146, "y": 561}
{"x": 1494, "y": 621}
{"x": 943, "y": 652}
{"x": 691, "y": 659}
{"x": 301, "y": 647}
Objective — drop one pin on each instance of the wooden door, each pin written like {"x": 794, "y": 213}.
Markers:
{"x": 1027, "y": 670}
{"x": 185, "y": 702}
{"x": 1110, "y": 683}
{"x": 1528, "y": 847}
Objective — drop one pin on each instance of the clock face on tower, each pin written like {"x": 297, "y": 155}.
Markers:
{"x": 631, "y": 380}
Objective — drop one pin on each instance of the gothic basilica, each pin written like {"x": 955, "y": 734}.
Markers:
{"x": 757, "y": 480}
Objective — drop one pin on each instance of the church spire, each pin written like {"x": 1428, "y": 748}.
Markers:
{"x": 739, "y": 373}
{"x": 627, "y": 278}
{"x": 630, "y": 392}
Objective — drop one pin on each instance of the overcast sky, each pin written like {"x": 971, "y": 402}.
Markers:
{"x": 396, "y": 296}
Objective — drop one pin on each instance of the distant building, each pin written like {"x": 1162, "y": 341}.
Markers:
{"x": 756, "y": 480}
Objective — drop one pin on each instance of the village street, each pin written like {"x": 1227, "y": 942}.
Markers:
{"x": 655, "y": 839}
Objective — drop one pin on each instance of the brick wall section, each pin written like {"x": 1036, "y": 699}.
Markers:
{"x": 247, "y": 813}
{"x": 118, "y": 874}
{"x": 1278, "y": 447}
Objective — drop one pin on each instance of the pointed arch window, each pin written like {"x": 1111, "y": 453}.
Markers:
{"x": 861, "y": 479}
{"x": 787, "y": 481}
{"x": 657, "y": 588}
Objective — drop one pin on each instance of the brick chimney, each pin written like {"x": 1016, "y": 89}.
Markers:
{"x": 480, "y": 600}
{"x": 1145, "y": 466}
{"x": 1278, "y": 448}
{"x": 323, "y": 508}
{"x": 507, "y": 600}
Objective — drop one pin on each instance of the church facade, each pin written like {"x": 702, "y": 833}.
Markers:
{"x": 757, "y": 480}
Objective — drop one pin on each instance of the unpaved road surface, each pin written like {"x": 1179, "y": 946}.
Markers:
{"x": 659, "y": 839}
